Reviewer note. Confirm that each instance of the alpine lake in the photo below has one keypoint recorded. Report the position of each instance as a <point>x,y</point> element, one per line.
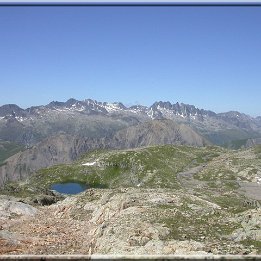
<point>69,187</point>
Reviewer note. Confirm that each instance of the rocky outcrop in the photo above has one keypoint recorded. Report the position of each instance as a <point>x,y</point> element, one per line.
<point>129,222</point>
<point>250,229</point>
<point>10,206</point>
<point>115,213</point>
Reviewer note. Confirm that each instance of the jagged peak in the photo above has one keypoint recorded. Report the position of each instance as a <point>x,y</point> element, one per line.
<point>90,101</point>
<point>120,105</point>
<point>71,101</point>
<point>55,104</point>
<point>138,107</point>
<point>180,109</point>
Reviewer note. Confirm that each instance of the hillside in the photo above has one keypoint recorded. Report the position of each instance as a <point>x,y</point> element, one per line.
<point>157,132</point>
<point>64,148</point>
<point>167,200</point>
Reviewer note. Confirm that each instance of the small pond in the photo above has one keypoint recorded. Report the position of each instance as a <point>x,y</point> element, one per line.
<point>69,187</point>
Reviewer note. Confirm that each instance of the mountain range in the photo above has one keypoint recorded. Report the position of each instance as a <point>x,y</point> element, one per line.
<point>60,132</point>
<point>90,118</point>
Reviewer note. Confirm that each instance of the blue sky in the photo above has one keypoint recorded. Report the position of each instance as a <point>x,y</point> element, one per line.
<point>206,56</point>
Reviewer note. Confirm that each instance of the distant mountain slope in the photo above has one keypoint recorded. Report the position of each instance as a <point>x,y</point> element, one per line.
<point>7,149</point>
<point>93,119</point>
<point>64,148</point>
<point>252,142</point>
<point>157,132</point>
<point>48,152</point>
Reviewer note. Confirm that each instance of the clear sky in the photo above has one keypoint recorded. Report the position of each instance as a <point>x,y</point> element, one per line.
<point>206,56</point>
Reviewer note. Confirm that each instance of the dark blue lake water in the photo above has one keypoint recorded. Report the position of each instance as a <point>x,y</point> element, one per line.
<point>69,188</point>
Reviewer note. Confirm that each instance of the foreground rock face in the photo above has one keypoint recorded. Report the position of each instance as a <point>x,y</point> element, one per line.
<point>9,206</point>
<point>12,213</point>
<point>128,221</point>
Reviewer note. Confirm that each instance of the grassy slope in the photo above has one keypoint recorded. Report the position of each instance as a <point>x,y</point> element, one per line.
<point>152,167</point>
<point>156,167</point>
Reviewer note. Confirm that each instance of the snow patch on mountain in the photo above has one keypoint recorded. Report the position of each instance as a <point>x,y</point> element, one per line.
<point>89,163</point>
<point>111,107</point>
<point>20,119</point>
